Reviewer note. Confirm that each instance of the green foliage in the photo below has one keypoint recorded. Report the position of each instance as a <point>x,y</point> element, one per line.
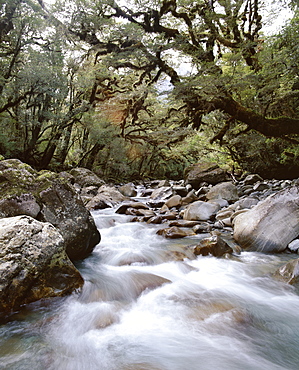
<point>145,91</point>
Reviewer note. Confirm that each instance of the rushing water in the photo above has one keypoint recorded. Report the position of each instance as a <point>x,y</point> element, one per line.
<point>144,308</point>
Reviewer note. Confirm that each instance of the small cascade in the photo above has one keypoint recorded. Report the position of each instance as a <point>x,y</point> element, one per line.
<point>149,304</point>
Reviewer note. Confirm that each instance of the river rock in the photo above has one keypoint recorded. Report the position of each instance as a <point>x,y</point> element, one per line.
<point>190,197</point>
<point>180,190</point>
<point>128,190</point>
<point>33,263</point>
<point>214,246</point>
<point>155,220</point>
<point>137,205</point>
<point>48,197</point>
<point>260,186</point>
<point>174,201</point>
<point>107,197</point>
<point>184,223</point>
<point>162,193</point>
<point>289,272</point>
<point>210,173</point>
<point>84,177</point>
<point>270,225</point>
<point>294,246</point>
<point>245,203</point>
<point>202,228</point>
<point>200,211</point>
<point>174,232</point>
<point>223,190</point>
<point>170,216</point>
<point>252,179</point>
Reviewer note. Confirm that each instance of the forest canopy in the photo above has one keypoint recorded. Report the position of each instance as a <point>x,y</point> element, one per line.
<point>144,88</point>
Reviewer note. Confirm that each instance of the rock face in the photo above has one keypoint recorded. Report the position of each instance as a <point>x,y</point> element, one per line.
<point>204,172</point>
<point>33,263</point>
<point>270,225</point>
<point>47,197</point>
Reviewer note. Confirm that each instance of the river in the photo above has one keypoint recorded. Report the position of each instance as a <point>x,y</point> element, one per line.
<point>143,307</point>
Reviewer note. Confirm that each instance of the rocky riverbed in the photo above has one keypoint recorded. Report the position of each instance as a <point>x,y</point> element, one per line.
<point>46,221</point>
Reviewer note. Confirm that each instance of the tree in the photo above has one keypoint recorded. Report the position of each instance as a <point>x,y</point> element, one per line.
<point>203,32</point>
<point>87,77</point>
<point>37,104</point>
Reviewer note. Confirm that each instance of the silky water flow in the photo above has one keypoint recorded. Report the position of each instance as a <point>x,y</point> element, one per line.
<point>148,304</point>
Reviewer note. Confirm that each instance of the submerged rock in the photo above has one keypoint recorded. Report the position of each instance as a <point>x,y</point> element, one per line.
<point>33,263</point>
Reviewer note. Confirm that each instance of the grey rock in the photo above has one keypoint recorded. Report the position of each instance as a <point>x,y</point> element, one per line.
<point>174,201</point>
<point>260,186</point>
<point>252,179</point>
<point>210,173</point>
<point>162,193</point>
<point>33,263</point>
<point>107,197</point>
<point>288,273</point>
<point>270,225</point>
<point>247,202</point>
<point>200,211</point>
<point>84,177</point>
<point>214,246</point>
<point>128,190</point>
<point>48,197</point>
<point>224,190</point>
<point>294,246</point>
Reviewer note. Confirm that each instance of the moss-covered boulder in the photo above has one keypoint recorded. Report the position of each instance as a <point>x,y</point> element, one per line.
<point>47,197</point>
<point>33,263</point>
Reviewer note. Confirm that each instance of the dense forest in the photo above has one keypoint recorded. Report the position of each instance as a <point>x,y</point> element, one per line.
<point>140,89</point>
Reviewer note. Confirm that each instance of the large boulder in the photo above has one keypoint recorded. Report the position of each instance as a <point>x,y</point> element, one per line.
<point>33,263</point>
<point>199,173</point>
<point>270,225</point>
<point>48,197</point>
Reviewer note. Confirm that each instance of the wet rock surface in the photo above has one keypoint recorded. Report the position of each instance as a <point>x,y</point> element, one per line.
<point>270,225</point>
<point>249,214</point>
<point>33,263</point>
<point>48,197</point>
<point>252,214</point>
